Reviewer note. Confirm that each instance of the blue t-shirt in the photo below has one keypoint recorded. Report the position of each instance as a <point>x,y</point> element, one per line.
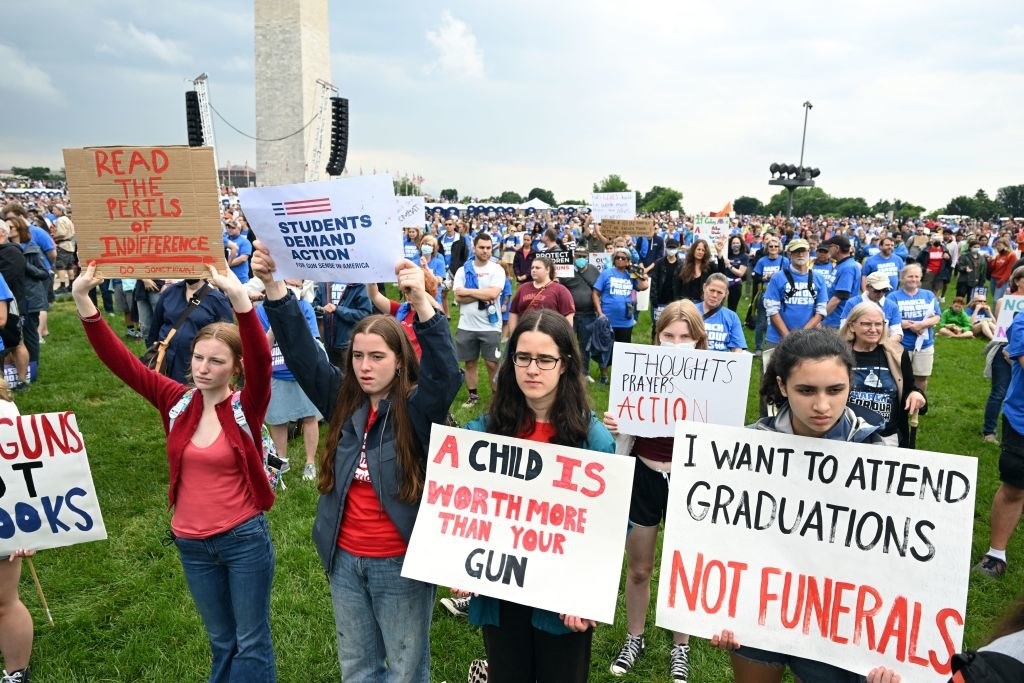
<point>725,331</point>
<point>799,307</point>
<point>44,241</point>
<point>278,369</point>
<point>616,291</point>
<point>845,280</point>
<point>767,267</point>
<point>244,249</point>
<point>890,311</point>
<point>914,308</point>
<point>1013,406</point>
<point>8,296</point>
<point>410,249</point>
<point>891,266</point>
<point>823,269</point>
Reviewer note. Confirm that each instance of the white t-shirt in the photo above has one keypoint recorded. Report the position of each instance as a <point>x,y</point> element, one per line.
<point>472,318</point>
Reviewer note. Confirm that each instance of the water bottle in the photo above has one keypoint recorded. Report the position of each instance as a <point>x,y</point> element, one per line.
<point>492,313</point>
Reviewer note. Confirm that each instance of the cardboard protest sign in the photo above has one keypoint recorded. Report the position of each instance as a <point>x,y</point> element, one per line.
<point>613,205</point>
<point>711,228</point>
<point>343,230</point>
<point>1011,306</point>
<point>653,387</point>
<point>47,498</point>
<point>146,212</point>
<point>840,552</point>
<point>529,522</point>
<point>612,228</point>
<point>410,212</point>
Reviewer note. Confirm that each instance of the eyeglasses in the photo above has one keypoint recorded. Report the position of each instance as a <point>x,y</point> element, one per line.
<point>620,258</point>
<point>868,325</point>
<point>523,360</point>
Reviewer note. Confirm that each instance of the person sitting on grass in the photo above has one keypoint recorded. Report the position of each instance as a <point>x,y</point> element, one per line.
<point>954,321</point>
<point>983,323</point>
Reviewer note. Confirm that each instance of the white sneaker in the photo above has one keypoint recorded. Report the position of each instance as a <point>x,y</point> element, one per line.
<point>309,472</point>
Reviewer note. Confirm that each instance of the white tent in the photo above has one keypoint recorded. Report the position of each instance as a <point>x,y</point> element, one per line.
<point>535,203</point>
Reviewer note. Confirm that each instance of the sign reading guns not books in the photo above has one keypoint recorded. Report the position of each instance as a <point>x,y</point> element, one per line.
<point>851,554</point>
<point>653,387</point>
<point>529,522</point>
<point>47,498</point>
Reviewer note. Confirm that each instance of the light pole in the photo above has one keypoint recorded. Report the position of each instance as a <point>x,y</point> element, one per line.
<point>792,177</point>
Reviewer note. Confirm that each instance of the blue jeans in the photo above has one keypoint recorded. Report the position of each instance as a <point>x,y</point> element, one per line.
<point>761,325</point>
<point>1001,372</point>
<point>583,326</point>
<point>383,620</point>
<point>229,576</point>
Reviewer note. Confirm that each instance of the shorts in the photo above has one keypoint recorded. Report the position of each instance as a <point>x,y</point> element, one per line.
<point>649,499</point>
<point>806,670</point>
<point>123,300</point>
<point>11,332</point>
<point>472,345</point>
<point>66,260</point>
<point>922,361</point>
<point>1011,456</point>
<point>288,403</point>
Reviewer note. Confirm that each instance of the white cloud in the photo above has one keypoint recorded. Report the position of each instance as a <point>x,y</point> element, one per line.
<point>27,79</point>
<point>132,40</point>
<point>458,55</point>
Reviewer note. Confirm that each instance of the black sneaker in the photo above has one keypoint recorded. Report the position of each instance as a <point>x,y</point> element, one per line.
<point>679,663</point>
<point>20,676</point>
<point>459,607</point>
<point>990,566</point>
<point>631,650</point>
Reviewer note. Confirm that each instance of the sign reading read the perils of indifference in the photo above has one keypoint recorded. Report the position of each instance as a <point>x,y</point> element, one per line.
<point>851,554</point>
<point>47,498</point>
<point>146,212</point>
<point>344,230</point>
<point>529,522</point>
<point>653,387</point>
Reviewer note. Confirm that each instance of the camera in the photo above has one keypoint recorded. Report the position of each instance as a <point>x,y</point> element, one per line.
<point>637,271</point>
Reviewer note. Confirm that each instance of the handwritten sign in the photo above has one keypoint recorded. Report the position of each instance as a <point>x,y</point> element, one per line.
<point>344,230</point>
<point>711,228</point>
<point>511,519</point>
<point>47,498</point>
<point>846,553</point>
<point>146,212</point>
<point>612,228</point>
<point>653,387</point>
<point>1011,306</point>
<point>410,212</point>
<point>620,205</point>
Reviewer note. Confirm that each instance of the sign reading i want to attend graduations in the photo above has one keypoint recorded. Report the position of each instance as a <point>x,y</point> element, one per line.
<point>1011,306</point>
<point>653,387</point>
<point>146,212</point>
<point>846,553</point>
<point>47,498</point>
<point>529,522</point>
<point>344,230</point>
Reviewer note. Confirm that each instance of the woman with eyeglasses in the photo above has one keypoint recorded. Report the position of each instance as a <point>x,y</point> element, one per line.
<point>615,297</point>
<point>541,396</point>
<point>883,378</point>
<point>769,263</point>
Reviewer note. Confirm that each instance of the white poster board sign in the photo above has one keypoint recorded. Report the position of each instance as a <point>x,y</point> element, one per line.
<point>711,228</point>
<point>1011,306</point>
<point>47,498</point>
<point>653,387</point>
<point>343,230</point>
<point>840,552</point>
<point>529,522</point>
<point>411,211</point>
<point>613,205</point>
<point>563,262</point>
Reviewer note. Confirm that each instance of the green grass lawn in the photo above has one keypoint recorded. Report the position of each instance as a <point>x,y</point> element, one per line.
<point>123,613</point>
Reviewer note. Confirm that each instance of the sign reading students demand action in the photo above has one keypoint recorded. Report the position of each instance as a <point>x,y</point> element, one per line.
<point>343,230</point>
<point>146,212</point>
<point>529,522</point>
<point>840,552</point>
<point>47,498</point>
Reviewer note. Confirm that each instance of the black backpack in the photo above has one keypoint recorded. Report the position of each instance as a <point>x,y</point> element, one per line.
<point>791,285</point>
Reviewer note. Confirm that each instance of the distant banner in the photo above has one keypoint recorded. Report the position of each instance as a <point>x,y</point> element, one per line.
<point>524,521</point>
<point>1011,306</point>
<point>653,387</point>
<point>612,228</point>
<point>47,498</point>
<point>840,552</point>
<point>410,212</point>
<point>344,230</point>
<point>621,205</point>
<point>711,228</point>
<point>146,212</point>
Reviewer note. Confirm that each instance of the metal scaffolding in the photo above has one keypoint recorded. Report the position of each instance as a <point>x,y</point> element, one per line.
<point>202,90</point>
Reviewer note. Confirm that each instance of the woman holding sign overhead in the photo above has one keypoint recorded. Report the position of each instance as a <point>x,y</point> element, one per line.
<point>679,326</point>
<point>808,379</point>
<point>540,396</point>
<point>371,472</point>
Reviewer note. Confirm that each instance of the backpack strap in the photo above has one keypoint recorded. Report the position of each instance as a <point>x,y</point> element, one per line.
<point>179,407</point>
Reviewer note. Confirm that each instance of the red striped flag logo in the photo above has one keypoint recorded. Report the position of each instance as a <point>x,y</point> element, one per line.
<point>301,207</point>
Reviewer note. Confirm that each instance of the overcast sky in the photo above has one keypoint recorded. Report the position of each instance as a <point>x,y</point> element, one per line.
<point>920,100</point>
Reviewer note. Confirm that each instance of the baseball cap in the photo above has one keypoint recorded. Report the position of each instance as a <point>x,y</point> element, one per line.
<point>797,245</point>
<point>879,281</point>
<point>839,241</point>
<point>671,243</point>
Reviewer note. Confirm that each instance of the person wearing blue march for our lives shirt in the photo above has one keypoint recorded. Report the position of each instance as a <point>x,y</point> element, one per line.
<point>795,298</point>
<point>723,326</point>
<point>886,261</point>
<point>919,313</point>
<point>845,280</point>
<point>875,290</point>
<point>766,266</point>
<point>614,297</point>
<point>239,253</point>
